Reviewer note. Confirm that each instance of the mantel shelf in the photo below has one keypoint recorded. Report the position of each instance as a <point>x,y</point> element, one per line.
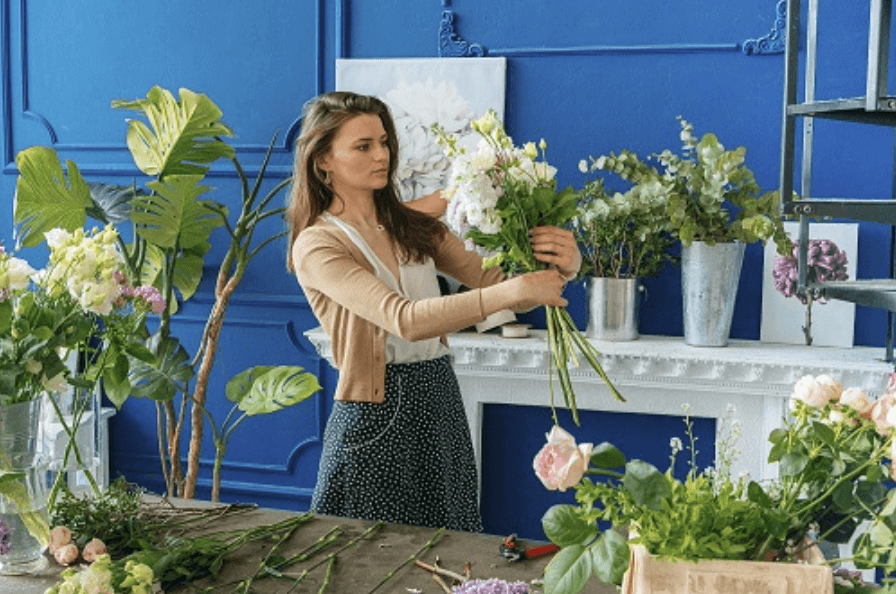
<point>657,375</point>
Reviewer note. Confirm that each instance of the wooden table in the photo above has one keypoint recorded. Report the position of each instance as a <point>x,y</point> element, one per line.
<point>358,570</point>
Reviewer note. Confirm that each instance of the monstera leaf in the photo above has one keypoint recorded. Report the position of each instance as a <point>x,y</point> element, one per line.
<point>267,389</point>
<point>112,204</point>
<point>185,134</point>
<point>159,379</point>
<point>45,197</point>
<point>174,216</point>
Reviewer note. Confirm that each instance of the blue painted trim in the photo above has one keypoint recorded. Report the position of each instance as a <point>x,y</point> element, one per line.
<point>451,45</point>
<point>6,82</point>
<point>677,48</point>
<point>342,48</point>
<point>773,42</point>
<point>26,104</point>
<point>116,170</point>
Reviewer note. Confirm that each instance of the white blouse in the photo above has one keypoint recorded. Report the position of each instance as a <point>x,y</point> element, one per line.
<point>418,281</point>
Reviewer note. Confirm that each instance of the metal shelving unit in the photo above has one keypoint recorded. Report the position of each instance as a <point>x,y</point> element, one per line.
<point>875,108</point>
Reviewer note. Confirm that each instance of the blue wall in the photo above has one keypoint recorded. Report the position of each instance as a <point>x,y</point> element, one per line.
<point>589,77</point>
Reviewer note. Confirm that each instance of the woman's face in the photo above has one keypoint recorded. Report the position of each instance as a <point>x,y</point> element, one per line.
<point>358,159</point>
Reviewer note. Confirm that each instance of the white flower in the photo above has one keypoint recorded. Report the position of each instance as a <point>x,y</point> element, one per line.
<point>583,166</point>
<point>816,391</point>
<point>856,399</point>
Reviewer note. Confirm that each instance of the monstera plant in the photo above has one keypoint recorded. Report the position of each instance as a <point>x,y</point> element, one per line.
<point>171,224</point>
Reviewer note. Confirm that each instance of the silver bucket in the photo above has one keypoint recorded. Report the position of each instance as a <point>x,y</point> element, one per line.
<point>20,433</point>
<point>709,279</point>
<point>613,305</point>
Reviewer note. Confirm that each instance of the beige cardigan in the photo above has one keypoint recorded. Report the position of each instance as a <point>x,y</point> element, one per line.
<point>356,309</point>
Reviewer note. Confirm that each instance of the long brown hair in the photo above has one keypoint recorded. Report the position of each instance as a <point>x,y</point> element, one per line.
<point>416,233</point>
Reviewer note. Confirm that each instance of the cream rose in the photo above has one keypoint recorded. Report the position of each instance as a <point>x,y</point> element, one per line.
<point>561,463</point>
<point>880,412</point>
<point>816,391</point>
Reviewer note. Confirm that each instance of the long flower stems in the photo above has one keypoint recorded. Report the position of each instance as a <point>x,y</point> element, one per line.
<point>412,559</point>
<point>326,582</point>
<point>246,584</point>
<point>564,339</point>
<point>369,532</point>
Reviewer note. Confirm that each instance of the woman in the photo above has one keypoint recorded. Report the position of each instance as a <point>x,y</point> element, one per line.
<point>397,445</point>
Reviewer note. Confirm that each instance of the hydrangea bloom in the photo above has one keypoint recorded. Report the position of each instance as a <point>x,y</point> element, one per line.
<point>824,262</point>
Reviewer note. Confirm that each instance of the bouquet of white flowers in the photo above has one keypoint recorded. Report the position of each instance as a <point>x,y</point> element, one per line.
<point>495,196</point>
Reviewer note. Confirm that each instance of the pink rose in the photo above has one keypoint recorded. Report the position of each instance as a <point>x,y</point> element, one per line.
<point>66,555</point>
<point>561,464</point>
<point>93,549</point>
<point>856,399</point>
<point>59,537</point>
<point>880,410</point>
<point>816,391</point>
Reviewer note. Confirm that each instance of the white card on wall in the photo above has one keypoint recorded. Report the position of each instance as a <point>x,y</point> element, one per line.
<point>420,92</point>
<point>783,318</point>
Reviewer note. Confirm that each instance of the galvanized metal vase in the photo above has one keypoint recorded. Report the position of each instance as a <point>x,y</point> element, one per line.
<point>23,492</point>
<point>613,306</point>
<point>709,279</point>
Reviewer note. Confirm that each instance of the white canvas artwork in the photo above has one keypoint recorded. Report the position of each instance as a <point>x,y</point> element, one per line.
<point>420,92</point>
<point>783,318</point>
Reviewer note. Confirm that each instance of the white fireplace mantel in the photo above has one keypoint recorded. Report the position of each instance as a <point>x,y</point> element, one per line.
<point>658,375</point>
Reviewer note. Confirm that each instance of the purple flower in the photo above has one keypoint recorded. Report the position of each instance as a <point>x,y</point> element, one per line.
<point>492,586</point>
<point>824,262</point>
<point>5,537</point>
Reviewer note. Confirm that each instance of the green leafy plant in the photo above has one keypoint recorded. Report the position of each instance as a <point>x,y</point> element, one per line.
<point>171,224</point>
<point>712,196</point>
<point>835,458</point>
<point>623,235</point>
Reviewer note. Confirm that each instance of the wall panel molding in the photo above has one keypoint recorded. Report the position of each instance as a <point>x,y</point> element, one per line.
<point>9,112</point>
<point>452,45</point>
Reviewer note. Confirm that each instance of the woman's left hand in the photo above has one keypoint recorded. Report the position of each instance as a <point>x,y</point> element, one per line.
<point>556,246</point>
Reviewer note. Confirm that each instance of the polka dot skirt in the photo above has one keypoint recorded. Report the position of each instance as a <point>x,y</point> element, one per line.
<point>408,460</point>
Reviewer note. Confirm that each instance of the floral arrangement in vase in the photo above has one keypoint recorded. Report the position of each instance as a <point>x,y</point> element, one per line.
<point>711,195</point>
<point>824,262</point>
<point>835,456</point>
<point>623,235</point>
<point>495,196</point>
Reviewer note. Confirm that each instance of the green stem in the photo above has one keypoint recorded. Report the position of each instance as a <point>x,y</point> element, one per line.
<point>327,575</point>
<point>429,544</point>
<point>349,544</point>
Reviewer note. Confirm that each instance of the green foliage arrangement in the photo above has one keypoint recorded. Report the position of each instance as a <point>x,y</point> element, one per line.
<point>835,458</point>
<point>711,195</point>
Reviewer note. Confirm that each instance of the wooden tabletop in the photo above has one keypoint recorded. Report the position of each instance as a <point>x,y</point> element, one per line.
<point>357,570</point>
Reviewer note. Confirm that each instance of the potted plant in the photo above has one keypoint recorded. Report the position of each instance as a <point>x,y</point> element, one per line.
<point>624,237</point>
<point>82,303</point>
<point>171,225</point>
<point>715,209</point>
<point>835,458</point>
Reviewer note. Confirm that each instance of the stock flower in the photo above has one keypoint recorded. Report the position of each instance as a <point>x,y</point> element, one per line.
<point>561,464</point>
<point>492,586</point>
<point>816,391</point>
<point>824,262</point>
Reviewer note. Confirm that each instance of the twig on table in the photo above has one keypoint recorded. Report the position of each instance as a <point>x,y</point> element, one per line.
<point>441,583</point>
<point>468,570</point>
<point>443,572</point>
<point>412,559</point>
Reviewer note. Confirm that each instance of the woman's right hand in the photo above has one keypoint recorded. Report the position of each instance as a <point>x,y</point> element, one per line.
<point>534,289</point>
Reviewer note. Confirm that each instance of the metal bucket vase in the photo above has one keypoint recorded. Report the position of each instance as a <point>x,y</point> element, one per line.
<point>613,307</point>
<point>23,490</point>
<point>709,279</point>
